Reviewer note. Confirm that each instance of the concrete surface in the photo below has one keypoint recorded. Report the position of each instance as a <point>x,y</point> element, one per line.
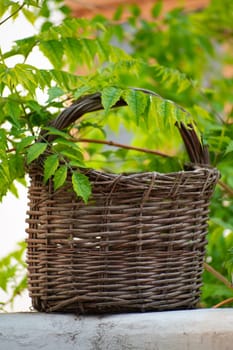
<point>203,329</point>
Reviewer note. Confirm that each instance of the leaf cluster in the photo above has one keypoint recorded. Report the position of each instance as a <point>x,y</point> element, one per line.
<point>12,277</point>
<point>69,46</point>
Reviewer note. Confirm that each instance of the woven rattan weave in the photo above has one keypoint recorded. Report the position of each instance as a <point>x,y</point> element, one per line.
<point>138,245</point>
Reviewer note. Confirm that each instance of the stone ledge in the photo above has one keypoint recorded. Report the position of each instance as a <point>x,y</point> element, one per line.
<point>202,329</point>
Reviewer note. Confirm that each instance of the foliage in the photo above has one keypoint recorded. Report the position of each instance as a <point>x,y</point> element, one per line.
<point>13,280</point>
<point>72,44</point>
<point>178,54</point>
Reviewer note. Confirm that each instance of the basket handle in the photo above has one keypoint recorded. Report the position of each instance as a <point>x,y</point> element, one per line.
<point>198,153</point>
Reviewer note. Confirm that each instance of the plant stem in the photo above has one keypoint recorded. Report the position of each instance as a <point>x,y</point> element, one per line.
<point>226,187</point>
<point>12,14</point>
<point>218,275</point>
<point>224,302</point>
<point>115,144</point>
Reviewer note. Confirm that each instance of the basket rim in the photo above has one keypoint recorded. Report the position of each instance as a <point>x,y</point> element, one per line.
<point>188,169</point>
<point>197,151</point>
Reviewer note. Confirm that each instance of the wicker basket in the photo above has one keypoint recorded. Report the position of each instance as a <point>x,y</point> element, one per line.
<point>138,245</point>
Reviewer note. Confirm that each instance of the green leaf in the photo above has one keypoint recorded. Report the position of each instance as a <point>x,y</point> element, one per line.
<point>65,10</point>
<point>26,75</point>
<point>3,142</point>
<point>89,50</point>
<point>14,10</point>
<point>183,85</point>
<point>77,163</point>
<point>20,287</point>
<point>147,111</point>
<point>109,97</point>
<point>65,80</point>
<point>170,77</point>
<point>12,108</point>
<point>54,131</point>
<point>82,186</point>
<point>5,179</point>
<point>72,154</point>
<point>222,223</point>
<point>92,126</point>
<point>157,8</point>
<point>73,51</point>
<point>44,78</point>
<point>22,47</point>
<point>35,151</point>
<point>25,142</point>
<point>31,16</point>
<point>229,147</point>
<point>50,166</point>
<point>81,91</point>
<point>69,145</point>
<point>4,280</point>
<point>60,177</point>
<point>45,12</point>
<point>54,92</point>
<point>16,166</point>
<point>135,10</point>
<point>14,190</point>
<point>118,13</point>
<point>137,102</point>
<point>35,3</point>
<point>53,50</point>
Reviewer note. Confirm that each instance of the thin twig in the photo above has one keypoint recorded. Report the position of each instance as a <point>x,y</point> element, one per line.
<point>10,150</point>
<point>224,302</point>
<point>115,144</point>
<point>12,14</point>
<point>226,187</point>
<point>218,275</point>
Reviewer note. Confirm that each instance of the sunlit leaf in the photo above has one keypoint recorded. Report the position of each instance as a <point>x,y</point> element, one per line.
<point>60,177</point>
<point>109,97</point>
<point>137,102</point>
<point>53,50</point>
<point>35,151</point>
<point>81,186</point>
<point>50,166</point>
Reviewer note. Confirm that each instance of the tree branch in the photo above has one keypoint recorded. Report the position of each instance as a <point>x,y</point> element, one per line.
<point>115,144</point>
<point>12,14</point>
<point>218,275</point>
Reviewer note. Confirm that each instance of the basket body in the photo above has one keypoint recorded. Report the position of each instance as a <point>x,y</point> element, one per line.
<point>138,245</point>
